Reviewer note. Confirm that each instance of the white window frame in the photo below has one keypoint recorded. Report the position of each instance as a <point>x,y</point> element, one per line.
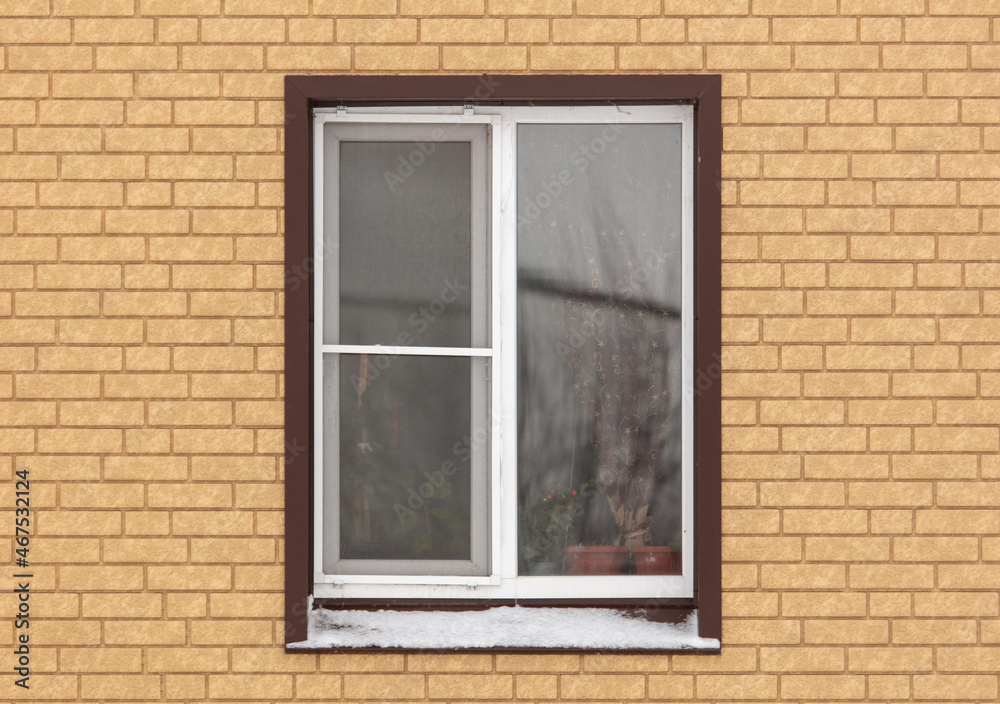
<point>502,582</point>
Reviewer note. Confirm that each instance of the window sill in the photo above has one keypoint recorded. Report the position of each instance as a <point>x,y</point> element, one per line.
<point>498,628</point>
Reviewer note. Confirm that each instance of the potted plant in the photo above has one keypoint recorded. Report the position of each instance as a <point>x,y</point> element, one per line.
<point>546,523</point>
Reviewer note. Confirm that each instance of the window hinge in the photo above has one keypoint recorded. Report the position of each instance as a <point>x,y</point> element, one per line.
<point>338,584</point>
<point>341,111</point>
<point>468,109</point>
<point>486,371</point>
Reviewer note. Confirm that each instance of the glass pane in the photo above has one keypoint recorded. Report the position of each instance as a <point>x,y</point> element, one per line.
<point>405,245</point>
<point>599,358</point>
<point>398,439</point>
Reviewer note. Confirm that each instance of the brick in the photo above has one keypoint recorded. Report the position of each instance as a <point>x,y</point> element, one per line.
<point>188,659</point>
<point>841,687</point>
<point>184,85</point>
<point>145,468</point>
<point>536,31</point>
<point>374,662</point>
<point>441,7</point>
<point>69,304</point>
<point>917,111</point>
<point>979,659</point>
<point>794,7</point>
<point>940,56</point>
<point>213,112</point>
<point>916,192</point>
<point>57,385</point>
<point>826,31</point>
<point>100,659</point>
<point>493,686</point>
<point>850,138</point>
<point>737,686</point>
<point>487,30</point>
<point>824,605</point>
<point>792,85</point>
<point>138,441</point>
<point>182,578</point>
<point>190,413</point>
<point>209,276</point>
<point>955,604</point>
<point>849,302</point>
<point>935,29</point>
<point>846,631</point>
<point>735,30</point>
<point>651,57</point>
<point>145,550</point>
<point>113,31</point>
<point>836,57</point>
<point>810,576</point>
<point>54,58</point>
<point>147,58</point>
<point>189,496</point>
<point>740,631</point>
<point>750,521</point>
<point>659,30</point>
<point>892,247</point>
<point>577,58</point>
<point>937,631</point>
<point>136,632</point>
<point>805,165</point>
<point>748,57</point>
<point>145,386</point>
<point>957,521</point>
<point>623,686</point>
<point>233,386</point>
<point>845,467</point>
<point>890,494</point>
<point>383,686</point>
<point>101,413</point>
<point>100,331</point>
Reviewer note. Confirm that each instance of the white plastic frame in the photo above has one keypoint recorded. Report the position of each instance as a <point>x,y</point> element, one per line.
<point>503,581</point>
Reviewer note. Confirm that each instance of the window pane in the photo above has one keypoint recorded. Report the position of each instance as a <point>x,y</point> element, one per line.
<point>599,336</point>
<point>404,245</point>
<point>396,442</point>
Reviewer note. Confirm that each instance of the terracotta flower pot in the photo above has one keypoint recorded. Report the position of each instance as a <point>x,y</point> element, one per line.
<point>595,559</point>
<point>654,559</point>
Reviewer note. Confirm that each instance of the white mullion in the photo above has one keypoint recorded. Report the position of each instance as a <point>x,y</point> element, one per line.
<point>687,351</point>
<point>495,405</point>
<point>403,351</point>
<point>440,118</point>
<point>319,381</point>
<point>507,381</point>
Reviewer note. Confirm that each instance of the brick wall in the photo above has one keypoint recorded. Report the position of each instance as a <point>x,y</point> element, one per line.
<point>140,318</point>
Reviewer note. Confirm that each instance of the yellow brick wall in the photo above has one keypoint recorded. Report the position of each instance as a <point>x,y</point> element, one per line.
<point>141,330</point>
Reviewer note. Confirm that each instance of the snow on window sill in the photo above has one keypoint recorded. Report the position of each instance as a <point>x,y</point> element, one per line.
<point>499,627</point>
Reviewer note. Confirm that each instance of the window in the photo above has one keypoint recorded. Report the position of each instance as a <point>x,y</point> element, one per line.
<point>502,336</point>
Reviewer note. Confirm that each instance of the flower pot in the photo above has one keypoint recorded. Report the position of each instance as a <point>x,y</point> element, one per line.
<point>654,559</point>
<point>595,559</point>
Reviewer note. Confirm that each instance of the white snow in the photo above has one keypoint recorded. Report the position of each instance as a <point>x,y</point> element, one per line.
<point>499,627</point>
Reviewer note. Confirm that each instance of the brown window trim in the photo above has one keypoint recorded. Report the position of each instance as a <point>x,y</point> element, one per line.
<point>302,94</point>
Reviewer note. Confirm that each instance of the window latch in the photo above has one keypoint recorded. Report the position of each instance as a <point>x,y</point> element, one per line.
<point>468,109</point>
<point>341,111</point>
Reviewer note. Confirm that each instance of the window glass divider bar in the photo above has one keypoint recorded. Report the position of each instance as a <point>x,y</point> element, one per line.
<point>401,350</point>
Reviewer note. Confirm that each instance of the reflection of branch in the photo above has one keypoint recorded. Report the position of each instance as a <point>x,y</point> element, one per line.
<point>537,284</point>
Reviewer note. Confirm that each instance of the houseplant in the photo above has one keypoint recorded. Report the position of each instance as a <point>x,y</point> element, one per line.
<point>546,523</point>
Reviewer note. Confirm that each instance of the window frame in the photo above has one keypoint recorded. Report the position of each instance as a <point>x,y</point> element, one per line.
<point>303,94</point>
